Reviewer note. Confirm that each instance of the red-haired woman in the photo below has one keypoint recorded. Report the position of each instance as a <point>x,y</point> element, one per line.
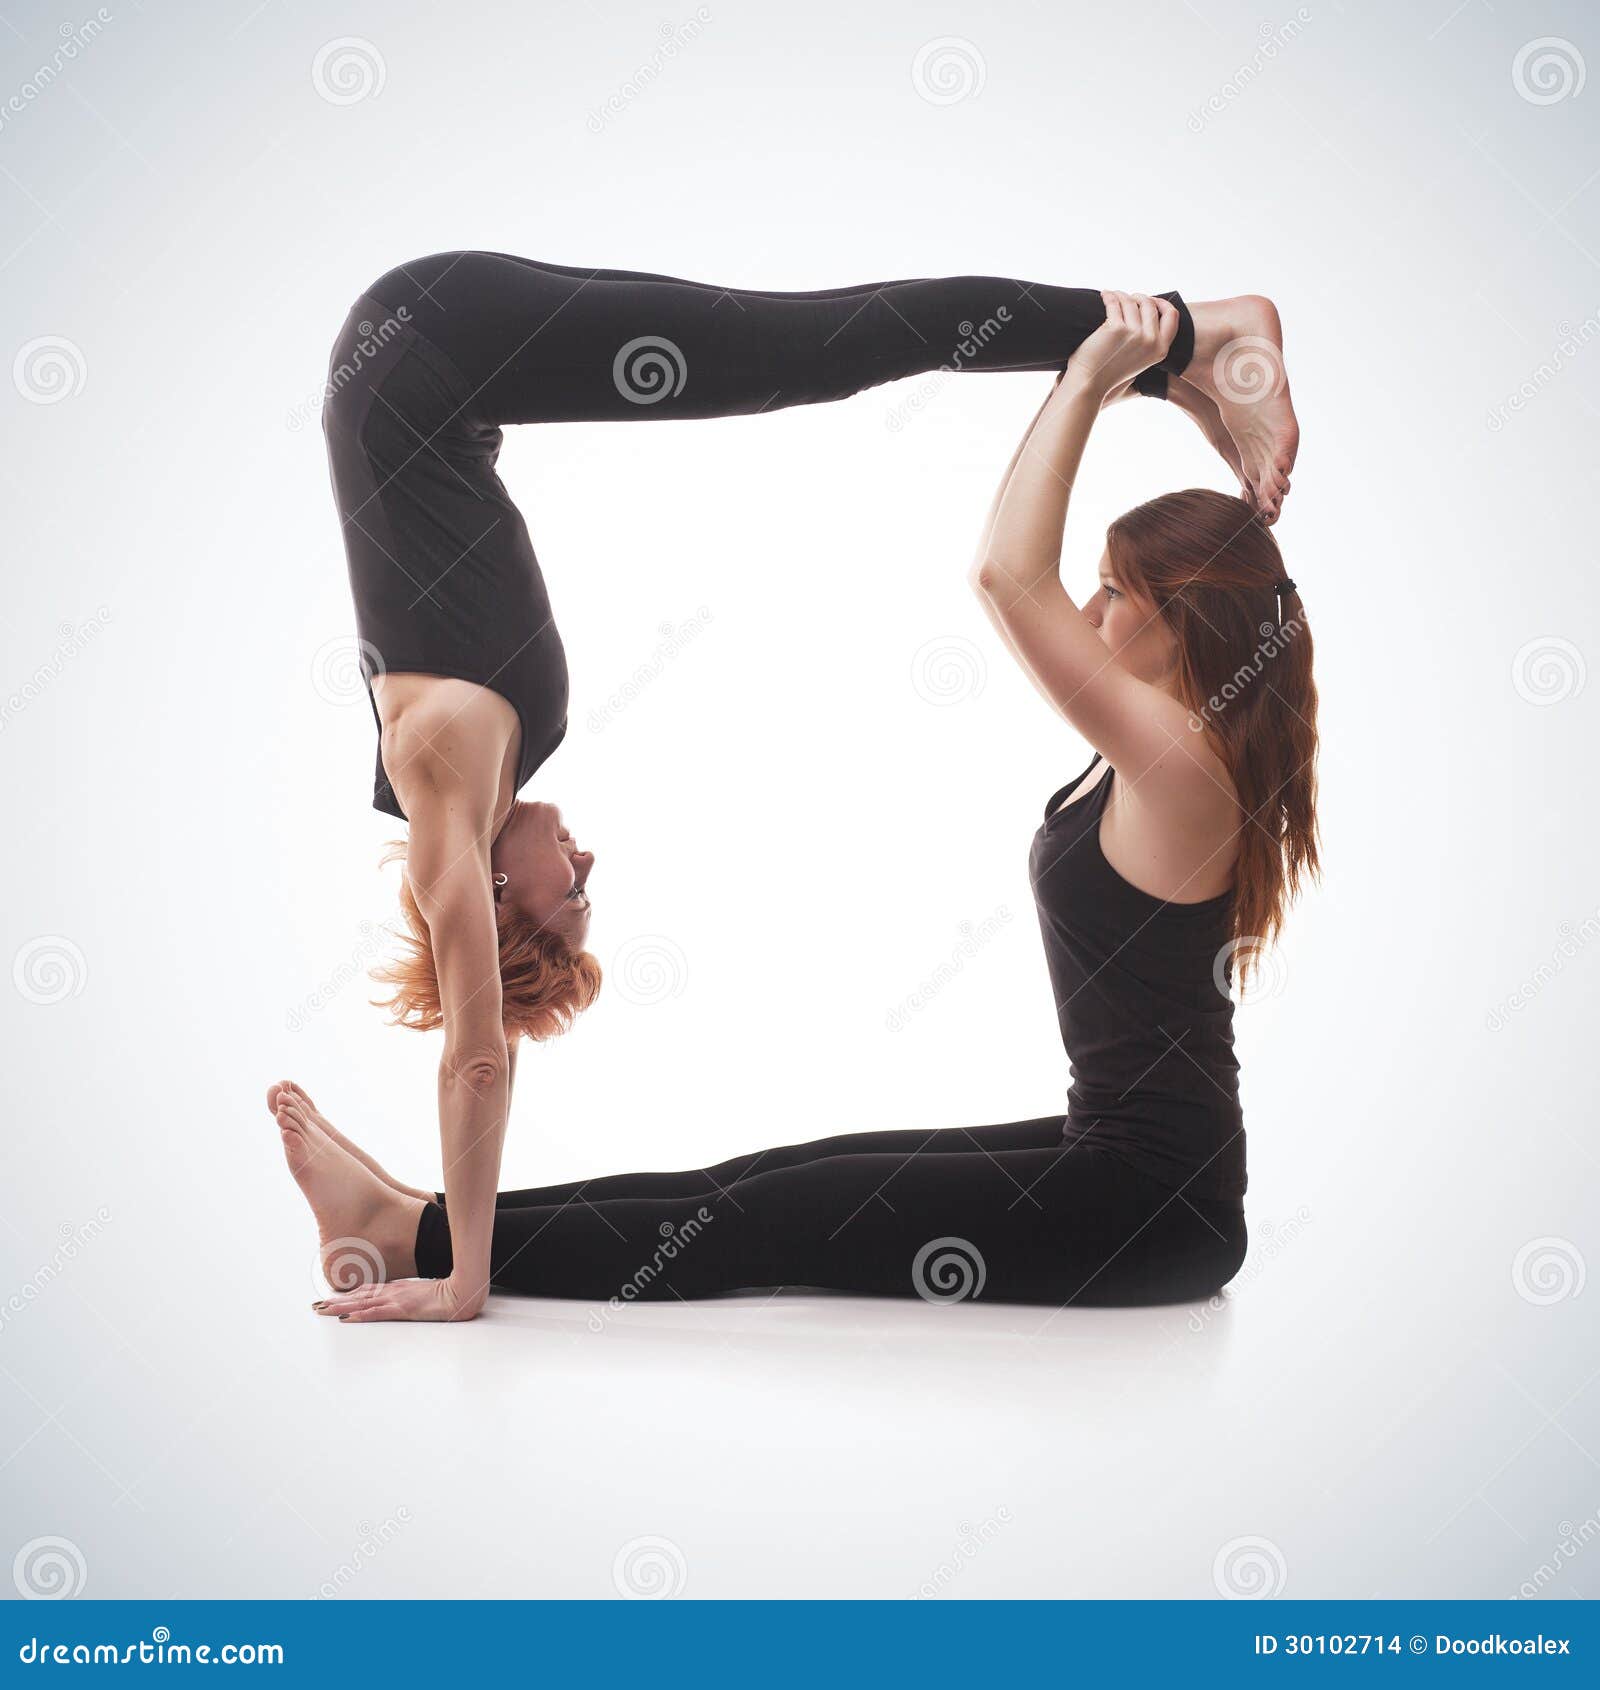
<point>1149,893</point>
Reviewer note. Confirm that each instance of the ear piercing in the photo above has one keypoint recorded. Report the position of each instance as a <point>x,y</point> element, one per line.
<point>500,880</point>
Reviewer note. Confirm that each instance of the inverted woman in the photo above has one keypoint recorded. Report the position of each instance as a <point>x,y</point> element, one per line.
<point>1135,1193</point>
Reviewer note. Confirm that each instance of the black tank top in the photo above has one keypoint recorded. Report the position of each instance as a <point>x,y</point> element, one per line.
<point>1148,1030</point>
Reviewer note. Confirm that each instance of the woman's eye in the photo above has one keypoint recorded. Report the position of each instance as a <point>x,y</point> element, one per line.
<point>1111,592</point>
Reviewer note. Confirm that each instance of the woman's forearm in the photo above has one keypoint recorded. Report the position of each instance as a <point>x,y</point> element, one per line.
<point>1021,548</point>
<point>474,1094</point>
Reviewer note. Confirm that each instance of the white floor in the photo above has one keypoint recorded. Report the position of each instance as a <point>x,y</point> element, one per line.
<point>1328,1429</point>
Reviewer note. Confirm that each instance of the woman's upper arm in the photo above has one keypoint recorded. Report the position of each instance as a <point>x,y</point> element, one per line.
<point>1136,727</point>
<point>447,863</point>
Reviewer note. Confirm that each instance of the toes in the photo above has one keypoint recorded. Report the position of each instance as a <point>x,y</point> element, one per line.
<point>301,1094</point>
<point>294,1151</point>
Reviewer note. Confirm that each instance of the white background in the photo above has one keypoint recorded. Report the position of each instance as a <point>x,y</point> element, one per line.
<point>797,814</point>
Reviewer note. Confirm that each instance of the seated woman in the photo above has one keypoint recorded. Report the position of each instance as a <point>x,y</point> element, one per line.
<point>1149,893</point>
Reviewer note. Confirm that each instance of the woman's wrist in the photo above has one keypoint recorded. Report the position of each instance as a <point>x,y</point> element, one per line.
<point>470,1290</point>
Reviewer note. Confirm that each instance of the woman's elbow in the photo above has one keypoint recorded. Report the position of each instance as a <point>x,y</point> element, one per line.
<point>476,1068</point>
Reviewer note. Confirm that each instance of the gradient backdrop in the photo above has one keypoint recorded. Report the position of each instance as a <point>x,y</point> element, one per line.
<point>810,777</point>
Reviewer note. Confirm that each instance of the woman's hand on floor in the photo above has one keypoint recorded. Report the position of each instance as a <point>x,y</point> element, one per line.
<point>405,1299</point>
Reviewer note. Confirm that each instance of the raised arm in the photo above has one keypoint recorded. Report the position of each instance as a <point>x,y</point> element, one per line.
<point>1016,571</point>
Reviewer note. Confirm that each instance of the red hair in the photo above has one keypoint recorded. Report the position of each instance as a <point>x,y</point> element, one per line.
<point>1213,571</point>
<point>544,983</point>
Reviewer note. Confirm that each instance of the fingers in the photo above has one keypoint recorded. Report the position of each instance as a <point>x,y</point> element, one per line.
<point>1167,321</point>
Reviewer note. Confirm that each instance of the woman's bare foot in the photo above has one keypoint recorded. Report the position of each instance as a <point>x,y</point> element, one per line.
<point>1238,365</point>
<point>297,1094</point>
<point>1209,418</point>
<point>368,1230</point>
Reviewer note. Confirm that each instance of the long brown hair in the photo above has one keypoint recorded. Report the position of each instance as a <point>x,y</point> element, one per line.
<point>1214,572</point>
<point>544,983</point>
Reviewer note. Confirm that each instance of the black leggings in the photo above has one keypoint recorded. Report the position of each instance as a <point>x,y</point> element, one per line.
<point>542,342</point>
<point>1000,1214</point>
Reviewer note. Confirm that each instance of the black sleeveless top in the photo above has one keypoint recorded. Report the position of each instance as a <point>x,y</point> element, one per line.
<point>442,570</point>
<point>1148,1031</point>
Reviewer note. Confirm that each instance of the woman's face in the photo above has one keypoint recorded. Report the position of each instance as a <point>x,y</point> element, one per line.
<point>545,871</point>
<point>1135,632</point>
